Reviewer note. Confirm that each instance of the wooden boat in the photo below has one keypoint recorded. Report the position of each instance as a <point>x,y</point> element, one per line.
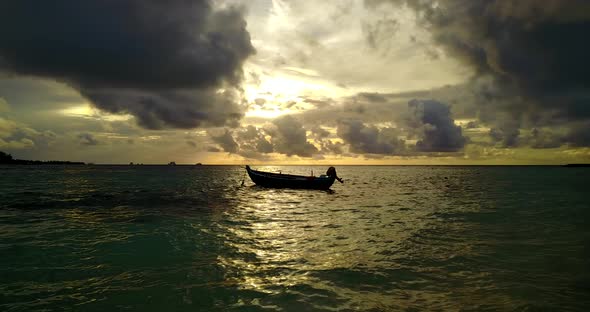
<point>279,180</point>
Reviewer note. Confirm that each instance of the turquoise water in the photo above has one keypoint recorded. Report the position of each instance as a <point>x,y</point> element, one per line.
<point>149,238</point>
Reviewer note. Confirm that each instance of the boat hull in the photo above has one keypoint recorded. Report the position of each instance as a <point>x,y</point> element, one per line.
<point>277,180</point>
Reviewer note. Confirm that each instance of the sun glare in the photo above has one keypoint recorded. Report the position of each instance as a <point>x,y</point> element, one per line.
<point>278,95</point>
<point>267,114</point>
<point>83,110</point>
<point>87,111</point>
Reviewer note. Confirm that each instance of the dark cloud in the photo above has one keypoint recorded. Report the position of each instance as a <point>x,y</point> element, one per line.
<point>506,134</point>
<point>532,56</point>
<point>472,125</point>
<point>249,133</point>
<point>226,141</point>
<point>213,149</point>
<point>264,146</point>
<point>319,132</point>
<point>436,128</point>
<point>170,108</point>
<point>289,137</point>
<point>191,143</point>
<point>319,102</point>
<point>545,139</point>
<point>252,140</point>
<point>370,139</point>
<point>162,61</point>
<point>535,44</point>
<point>87,139</point>
<point>430,122</point>
<point>249,142</point>
<point>329,147</point>
<point>579,135</point>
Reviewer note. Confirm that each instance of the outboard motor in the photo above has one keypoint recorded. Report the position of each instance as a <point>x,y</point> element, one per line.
<point>332,173</point>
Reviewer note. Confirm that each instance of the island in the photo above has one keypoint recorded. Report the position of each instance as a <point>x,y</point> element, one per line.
<point>7,159</point>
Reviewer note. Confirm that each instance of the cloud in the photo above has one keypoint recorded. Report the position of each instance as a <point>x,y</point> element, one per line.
<point>436,128</point>
<point>7,127</point>
<point>15,135</point>
<point>87,139</point>
<point>263,146</point>
<point>253,142</point>
<point>226,141</point>
<point>318,103</point>
<point>289,137</point>
<point>579,135</point>
<point>4,107</point>
<point>329,147</point>
<point>178,108</point>
<point>370,139</point>
<point>506,134</point>
<point>530,43</point>
<point>530,58</point>
<point>16,145</point>
<point>368,107</point>
<point>379,33</point>
<point>319,132</point>
<point>284,136</point>
<point>163,62</point>
<point>541,138</point>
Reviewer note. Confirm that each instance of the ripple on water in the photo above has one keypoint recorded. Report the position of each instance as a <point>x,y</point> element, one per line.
<point>391,238</point>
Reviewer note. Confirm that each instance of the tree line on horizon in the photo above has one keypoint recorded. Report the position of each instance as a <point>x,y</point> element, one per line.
<point>6,158</point>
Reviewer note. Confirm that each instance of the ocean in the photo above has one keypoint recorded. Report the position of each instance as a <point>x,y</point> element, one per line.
<point>391,238</point>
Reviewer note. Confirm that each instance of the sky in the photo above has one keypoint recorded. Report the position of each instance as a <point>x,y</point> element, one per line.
<point>296,82</point>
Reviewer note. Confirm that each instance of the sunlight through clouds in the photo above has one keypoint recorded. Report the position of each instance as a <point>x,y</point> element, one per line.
<point>87,111</point>
<point>342,75</point>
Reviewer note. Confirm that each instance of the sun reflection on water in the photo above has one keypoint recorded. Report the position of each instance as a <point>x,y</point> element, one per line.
<point>393,238</point>
<point>315,245</point>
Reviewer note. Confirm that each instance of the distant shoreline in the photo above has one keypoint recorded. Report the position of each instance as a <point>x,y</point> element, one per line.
<point>20,162</point>
<point>39,162</point>
<point>6,159</point>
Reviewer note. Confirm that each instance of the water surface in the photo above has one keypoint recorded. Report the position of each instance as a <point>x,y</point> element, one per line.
<point>184,238</point>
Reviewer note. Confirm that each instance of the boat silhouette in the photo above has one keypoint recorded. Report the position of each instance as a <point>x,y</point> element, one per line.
<point>279,180</point>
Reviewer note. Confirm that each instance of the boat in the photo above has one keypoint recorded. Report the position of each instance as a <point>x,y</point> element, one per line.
<point>279,180</point>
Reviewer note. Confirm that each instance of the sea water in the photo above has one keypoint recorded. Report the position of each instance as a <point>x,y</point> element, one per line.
<point>391,238</point>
